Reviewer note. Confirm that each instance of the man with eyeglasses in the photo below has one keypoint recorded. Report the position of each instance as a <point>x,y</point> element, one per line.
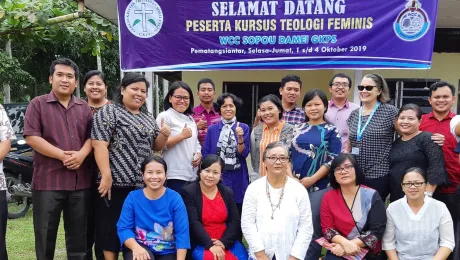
<point>204,114</point>
<point>340,108</point>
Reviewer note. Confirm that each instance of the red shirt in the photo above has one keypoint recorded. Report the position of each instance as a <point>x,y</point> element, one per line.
<point>433,125</point>
<point>67,129</point>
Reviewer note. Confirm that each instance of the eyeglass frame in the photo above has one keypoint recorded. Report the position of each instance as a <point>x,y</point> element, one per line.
<point>368,87</point>
<point>179,98</point>
<point>342,84</point>
<point>277,158</point>
<point>404,184</point>
<point>347,168</point>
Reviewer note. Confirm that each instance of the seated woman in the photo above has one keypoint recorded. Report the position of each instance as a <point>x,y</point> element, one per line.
<point>418,227</point>
<point>213,215</point>
<point>352,215</point>
<point>276,218</point>
<point>153,223</point>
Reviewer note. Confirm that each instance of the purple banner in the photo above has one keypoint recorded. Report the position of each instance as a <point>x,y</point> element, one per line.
<point>172,35</point>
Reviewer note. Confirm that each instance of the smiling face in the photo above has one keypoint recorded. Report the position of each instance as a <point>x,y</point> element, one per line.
<point>134,95</point>
<point>407,122</point>
<point>95,88</point>
<point>345,173</point>
<point>441,100</point>
<point>154,175</point>
<point>210,176</point>
<point>414,179</point>
<point>369,96</point>
<point>290,93</point>
<point>63,81</point>
<point>228,109</point>
<point>315,109</point>
<point>340,88</point>
<point>270,113</point>
<point>206,93</point>
<point>180,100</point>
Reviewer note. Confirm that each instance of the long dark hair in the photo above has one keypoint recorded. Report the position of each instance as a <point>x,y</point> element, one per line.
<point>337,162</point>
<point>128,79</point>
<point>172,88</point>
<point>209,160</point>
<point>154,158</point>
<point>311,95</point>
<point>275,100</point>
<point>91,74</point>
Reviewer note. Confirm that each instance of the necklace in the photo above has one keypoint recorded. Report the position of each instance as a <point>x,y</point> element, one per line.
<point>274,207</point>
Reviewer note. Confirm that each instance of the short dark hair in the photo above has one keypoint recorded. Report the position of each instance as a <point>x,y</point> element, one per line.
<point>66,62</point>
<point>417,170</point>
<point>275,100</point>
<point>221,100</point>
<point>206,80</point>
<point>91,74</point>
<point>311,94</point>
<point>418,111</point>
<point>340,75</point>
<point>172,88</point>
<point>441,84</point>
<point>289,78</point>
<point>154,158</point>
<point>128,79</point>
<point>341,158</point>
<point>209,160</point>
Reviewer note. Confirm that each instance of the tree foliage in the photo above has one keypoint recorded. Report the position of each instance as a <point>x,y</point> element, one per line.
<point>36,43</point>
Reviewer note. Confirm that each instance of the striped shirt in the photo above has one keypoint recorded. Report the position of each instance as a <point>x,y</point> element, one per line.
<point>267,138</point>
<point>131,138</point>
<point>211,117</point>
<point>65,128</point>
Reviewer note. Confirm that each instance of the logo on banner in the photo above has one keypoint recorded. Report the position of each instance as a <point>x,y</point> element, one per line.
<point>144,18</point>
<point>412,23</point>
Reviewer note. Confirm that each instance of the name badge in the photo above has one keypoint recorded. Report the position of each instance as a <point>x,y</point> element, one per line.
<point>355,150</point>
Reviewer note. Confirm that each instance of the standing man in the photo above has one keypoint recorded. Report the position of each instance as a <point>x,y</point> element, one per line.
<point>441,98</point>
<point>290,93</point>
<point>204,114</point>
<point>57,126</point>
<point>6,135</point>
<point>340,108</point>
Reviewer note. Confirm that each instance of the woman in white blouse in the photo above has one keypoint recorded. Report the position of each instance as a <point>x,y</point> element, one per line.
<point>418,227</point>
<point>276,217</point>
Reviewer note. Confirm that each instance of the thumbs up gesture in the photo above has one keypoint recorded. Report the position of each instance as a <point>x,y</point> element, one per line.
<point>186,132</point>
<point>202,124</point>
<point>164,128</point>
<point>239,131</point>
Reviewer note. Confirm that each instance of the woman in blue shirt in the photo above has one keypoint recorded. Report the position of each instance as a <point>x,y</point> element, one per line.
<point>315,144</point>
<point>153,223</point>
<point>230,140</point>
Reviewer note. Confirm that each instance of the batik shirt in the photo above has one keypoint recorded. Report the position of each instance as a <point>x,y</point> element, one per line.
<point>6,133</point>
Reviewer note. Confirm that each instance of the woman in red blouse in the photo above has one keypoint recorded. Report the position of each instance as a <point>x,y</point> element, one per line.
<point>213,216</point>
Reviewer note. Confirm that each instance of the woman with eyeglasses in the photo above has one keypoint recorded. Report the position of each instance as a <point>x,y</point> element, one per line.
<point>418,227</point>
<point>352,215</point>
<point>372,131</point>
<point>414,148</point>
<point>276,218</point>
<point>271,129</point>
<point>315,144</point>
<point>182,152</point>
<point>215,226</point>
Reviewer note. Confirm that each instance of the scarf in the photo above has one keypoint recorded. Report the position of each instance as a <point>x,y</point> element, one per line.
<point>227,148</point>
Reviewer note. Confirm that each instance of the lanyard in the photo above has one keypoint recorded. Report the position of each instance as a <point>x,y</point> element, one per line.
<point>360,132</point>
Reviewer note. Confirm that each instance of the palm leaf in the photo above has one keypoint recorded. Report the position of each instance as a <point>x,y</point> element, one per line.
<point>136,22</point>
<point>152,21</point>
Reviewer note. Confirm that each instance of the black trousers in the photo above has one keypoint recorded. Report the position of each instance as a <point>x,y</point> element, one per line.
<point>48,206</point>
<point>453,205</point>
<point>3,219</point>
<point>98,253</point>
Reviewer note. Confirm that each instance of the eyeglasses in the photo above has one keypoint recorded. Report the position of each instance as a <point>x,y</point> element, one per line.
<point>340,84</point>
<point>345,168</point>
<point>416,184</point>
<point>368,88</point>
<point>273,159</point>
<point>181,97</point>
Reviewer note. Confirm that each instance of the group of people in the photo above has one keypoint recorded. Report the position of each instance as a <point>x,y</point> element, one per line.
<point>320,173</point>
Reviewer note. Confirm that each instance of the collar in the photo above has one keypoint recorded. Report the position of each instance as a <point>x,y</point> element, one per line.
<point>278,127</point>
<point>200,109</point>
<point>294,109</point>
<point>449,116</point>
<point>51,97</point>
<point>331,103</point>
